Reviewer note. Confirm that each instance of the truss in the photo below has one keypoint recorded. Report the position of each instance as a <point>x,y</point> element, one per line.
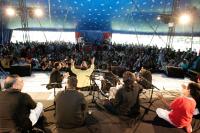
<point>24,19</point>
<point>171,30</point>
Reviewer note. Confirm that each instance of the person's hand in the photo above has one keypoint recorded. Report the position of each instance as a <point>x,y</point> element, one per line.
<point>159,95</point>
<point>92,60</point>
<point>72,62</point>
<point>183,86</point>
<point>138,78</point>
<point>66,75</point>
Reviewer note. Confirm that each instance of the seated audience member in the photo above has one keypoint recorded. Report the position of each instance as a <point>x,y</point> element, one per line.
<point>71,106</point>
<point>126,101</point>
<point>18,112</point>
<point>145,78</point>
<point>184,65</point>
<point>83,74</point>
<point>182,108</point>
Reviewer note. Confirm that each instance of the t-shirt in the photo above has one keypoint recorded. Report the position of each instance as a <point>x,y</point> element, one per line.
<point>182,110</point>
<point>15,108</point>
<point>71,109</point>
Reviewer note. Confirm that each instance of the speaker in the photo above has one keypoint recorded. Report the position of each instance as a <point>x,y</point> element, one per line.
<point>21,70</point>
<point>175,72</point>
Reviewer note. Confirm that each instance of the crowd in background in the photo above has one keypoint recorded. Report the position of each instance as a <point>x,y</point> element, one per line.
<point>42,55</point>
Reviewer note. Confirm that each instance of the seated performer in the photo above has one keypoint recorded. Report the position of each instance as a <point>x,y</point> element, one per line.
<point>145,78</point>
<point>55,77</point>
<point>71,106</point>
<point>126,101</point>
<point>83,74</point>
<point>111,83</point>
<point>18,112</point>
<point>182,108</point>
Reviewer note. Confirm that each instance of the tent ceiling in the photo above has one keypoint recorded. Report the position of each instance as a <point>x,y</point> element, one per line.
<point>105,15</point>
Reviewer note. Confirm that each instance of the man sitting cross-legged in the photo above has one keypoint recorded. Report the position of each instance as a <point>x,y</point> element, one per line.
<point>18,111</point>
<point>71,106</point>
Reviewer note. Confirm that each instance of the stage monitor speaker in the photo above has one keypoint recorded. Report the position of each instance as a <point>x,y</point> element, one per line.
<point>175,72</point>
<point>21,70</point>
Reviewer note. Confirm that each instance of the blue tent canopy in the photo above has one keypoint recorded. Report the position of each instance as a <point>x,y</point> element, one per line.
<point>129,16</point>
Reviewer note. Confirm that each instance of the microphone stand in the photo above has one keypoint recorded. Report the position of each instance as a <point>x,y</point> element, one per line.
<point>49,108</point>
<point>151,95</point>
<point>152,87</point>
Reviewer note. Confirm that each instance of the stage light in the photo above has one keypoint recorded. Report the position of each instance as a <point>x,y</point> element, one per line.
<point>38,12</point>
<point>158,18</point>
<point>184,19</point>
<point>10,12</point>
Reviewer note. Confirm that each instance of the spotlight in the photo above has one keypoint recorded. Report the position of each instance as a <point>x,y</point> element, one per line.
<point>158,18</point>
<point>10,12</point>
<point>38,12</point>
<point>184,19</point>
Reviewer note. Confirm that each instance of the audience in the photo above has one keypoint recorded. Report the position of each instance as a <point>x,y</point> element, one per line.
<point>18,112</point>
<point>71,106</point>
<point>131,57</point>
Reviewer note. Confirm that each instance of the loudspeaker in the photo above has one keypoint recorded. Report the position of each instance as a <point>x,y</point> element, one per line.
<point>21,70</point>
<point>175,72</point>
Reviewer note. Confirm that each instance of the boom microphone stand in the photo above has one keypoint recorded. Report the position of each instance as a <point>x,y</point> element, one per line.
<point>151,95</point>
<point>152,87</point>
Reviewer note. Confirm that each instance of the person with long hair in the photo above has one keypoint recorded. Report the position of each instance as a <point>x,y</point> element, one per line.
<point>182,108</point>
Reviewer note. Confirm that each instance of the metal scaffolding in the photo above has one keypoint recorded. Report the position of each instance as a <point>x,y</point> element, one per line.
<point>171,30</point>
<point>24,13</point>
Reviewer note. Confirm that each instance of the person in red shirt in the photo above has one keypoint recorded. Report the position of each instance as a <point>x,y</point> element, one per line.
<point>181,109</point>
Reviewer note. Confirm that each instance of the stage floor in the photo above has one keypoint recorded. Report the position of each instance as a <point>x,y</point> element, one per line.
<point>35,85</point>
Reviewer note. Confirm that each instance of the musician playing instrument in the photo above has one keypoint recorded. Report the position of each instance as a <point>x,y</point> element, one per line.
<point>145,78</point>
<point>126,101</point>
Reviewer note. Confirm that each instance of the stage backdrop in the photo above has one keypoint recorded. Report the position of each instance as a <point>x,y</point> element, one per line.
<point>93,37</point>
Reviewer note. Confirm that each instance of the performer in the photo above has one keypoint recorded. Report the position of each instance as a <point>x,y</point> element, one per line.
<point>83,74</point>
<point>126,101</point>
<point>145,78</point>
<point>55,77</point>
<point>111,83</point>
<point>182,108</point>
<point>18,112</point>
<point>71,106</point>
